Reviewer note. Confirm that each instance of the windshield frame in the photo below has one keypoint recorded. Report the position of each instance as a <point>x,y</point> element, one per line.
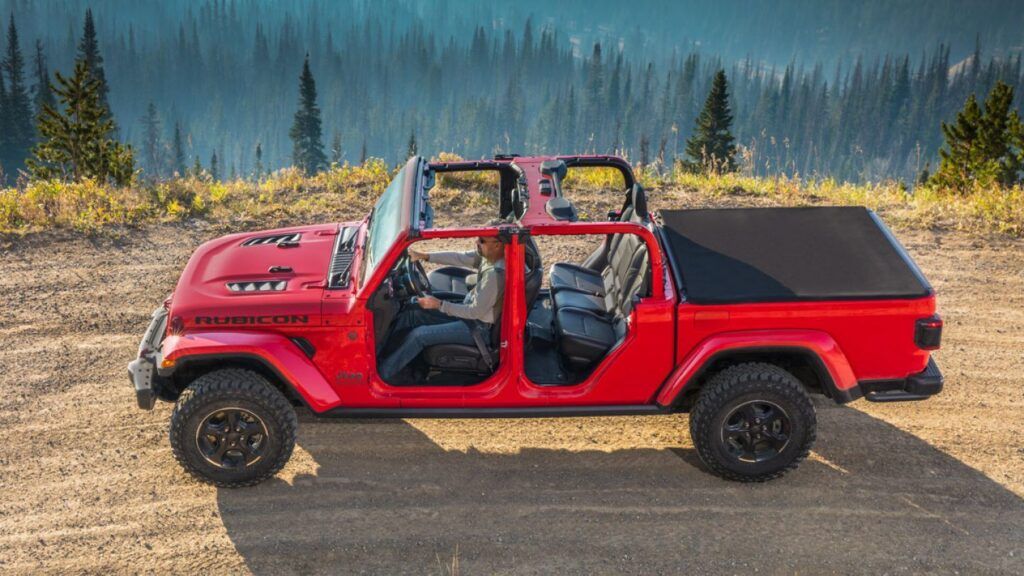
<point>399,205</point>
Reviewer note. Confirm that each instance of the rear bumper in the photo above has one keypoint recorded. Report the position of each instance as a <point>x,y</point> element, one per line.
<point>142,370</point>
<point>918,386</point>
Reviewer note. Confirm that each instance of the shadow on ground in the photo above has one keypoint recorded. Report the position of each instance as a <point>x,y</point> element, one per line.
<point>386,499</point>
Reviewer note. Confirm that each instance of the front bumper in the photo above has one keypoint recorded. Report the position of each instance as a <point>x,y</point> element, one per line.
<point>918,386</point>
<point>142,370</point>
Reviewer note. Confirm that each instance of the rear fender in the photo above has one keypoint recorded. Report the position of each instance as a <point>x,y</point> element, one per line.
<point>274,351</point>
<point>841,382</point>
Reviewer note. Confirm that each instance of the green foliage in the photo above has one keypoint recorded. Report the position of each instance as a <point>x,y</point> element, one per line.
<point>214,167</point>
<point>411,147</point>
<point>16,133</point>
<point>984,147</point>
<point>77,140</point>
<point>477,86</point>
<point>151,146</point>
<point>89,52</point>
<point>259,162</point>
<point>307,132</point>
<point>43,90</point>
<point>336,150</point>
<point>712,147</point>
<point>178,152</point>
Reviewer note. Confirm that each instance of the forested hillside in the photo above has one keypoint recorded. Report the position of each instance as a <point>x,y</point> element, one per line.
<point>818,88</point>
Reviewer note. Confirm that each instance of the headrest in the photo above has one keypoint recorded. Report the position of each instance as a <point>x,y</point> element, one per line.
<point>561,209</point>
<point>640,203</point>
<point>554,168</point>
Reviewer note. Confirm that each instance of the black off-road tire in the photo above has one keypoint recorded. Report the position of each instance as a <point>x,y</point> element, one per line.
<point>729,393</point>
<point>225,390</point>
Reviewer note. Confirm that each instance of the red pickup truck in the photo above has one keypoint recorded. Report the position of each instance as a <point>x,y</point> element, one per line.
<point>736,316</point>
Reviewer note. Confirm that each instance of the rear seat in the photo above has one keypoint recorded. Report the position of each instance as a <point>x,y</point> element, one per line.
<point>585,337</point>
<point>589,323</point>
<point>624,277</point>
<point>582,278</point>
<point>585,332</point>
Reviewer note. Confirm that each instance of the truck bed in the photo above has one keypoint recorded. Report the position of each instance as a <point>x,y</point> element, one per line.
<point>736,255</point>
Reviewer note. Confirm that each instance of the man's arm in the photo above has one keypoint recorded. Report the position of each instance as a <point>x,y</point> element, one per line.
<point>487,293</point>
<point>466,259</point>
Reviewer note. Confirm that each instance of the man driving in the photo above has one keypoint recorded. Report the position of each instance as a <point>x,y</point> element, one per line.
<point>443,322</point>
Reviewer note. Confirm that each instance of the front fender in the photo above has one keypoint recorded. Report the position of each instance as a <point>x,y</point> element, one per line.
<point>276,352</point>
<point>818,344</point>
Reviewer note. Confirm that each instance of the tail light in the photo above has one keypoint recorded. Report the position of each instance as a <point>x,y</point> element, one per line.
<point>928,333</point>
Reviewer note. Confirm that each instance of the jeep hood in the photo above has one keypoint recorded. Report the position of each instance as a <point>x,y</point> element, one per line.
<point>261,276</point>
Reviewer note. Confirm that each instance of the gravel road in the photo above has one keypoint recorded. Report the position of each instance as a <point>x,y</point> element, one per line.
<point>88,483</point>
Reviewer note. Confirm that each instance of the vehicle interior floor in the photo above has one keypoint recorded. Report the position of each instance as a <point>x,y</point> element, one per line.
<point>543,363</point>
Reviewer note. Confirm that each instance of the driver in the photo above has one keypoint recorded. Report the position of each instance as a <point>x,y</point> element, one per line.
<point>442,322</point>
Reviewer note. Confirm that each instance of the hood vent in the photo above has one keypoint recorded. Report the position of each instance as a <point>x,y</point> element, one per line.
<point>341,262</point>
<point>258,286</point>
<point>279,239</point>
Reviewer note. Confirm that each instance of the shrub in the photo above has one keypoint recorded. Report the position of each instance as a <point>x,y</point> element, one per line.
<point>348,191</point>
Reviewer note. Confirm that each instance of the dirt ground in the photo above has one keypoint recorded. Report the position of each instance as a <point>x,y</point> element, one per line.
<point>88,483</point>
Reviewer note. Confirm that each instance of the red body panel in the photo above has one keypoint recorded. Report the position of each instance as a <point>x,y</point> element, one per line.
<point>202,292</point>
<point>667,343</point>
<point>275,350</point>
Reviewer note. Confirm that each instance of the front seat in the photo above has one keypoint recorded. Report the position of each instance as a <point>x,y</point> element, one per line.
<point>451,282</point>
<point>462,358</point>
<point>454,282</point>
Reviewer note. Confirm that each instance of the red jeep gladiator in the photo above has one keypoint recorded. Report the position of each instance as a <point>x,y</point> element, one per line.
<point>733,315</point>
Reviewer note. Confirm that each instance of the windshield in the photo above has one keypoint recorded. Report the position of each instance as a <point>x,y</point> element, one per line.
<point>385,223</point>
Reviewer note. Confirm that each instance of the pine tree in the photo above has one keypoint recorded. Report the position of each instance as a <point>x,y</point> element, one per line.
<point>17,106</point>
<point>997,136</point>
<point>336,151</point>
<point>5,129</point>
<point>89,51</point>
<point>924,175</point>
<point>983,147</point>
<point>711,147</point>
<point>307,146</point>
<point>43,89</point>
<point>77,140</point>
<point>594,101</point>
<point>197,168</point>
<point>362,153</point>
<point>214,167</point>
<point>645,150</point>
<point>178,152</point>
<point>259,161</point>
<point>411,148</point>
<point>151,141</point>
<point>959,155</point>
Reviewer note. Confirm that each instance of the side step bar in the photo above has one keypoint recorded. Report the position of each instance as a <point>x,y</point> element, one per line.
<point>529,412</point>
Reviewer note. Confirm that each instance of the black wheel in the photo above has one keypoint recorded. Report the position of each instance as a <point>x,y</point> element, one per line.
<point>232,428</point>
<point>753,422</point>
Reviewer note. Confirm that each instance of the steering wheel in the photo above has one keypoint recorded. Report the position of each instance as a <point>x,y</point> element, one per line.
<point>416,277</point>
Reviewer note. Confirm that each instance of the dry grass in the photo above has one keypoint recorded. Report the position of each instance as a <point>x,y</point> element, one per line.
<point>984,211</point>
<point>341,191</point>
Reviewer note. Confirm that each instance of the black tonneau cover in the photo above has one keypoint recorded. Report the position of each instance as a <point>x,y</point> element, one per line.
<point>788,254</point>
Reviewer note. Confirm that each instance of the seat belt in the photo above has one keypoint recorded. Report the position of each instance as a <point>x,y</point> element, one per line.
<point>481,344</point>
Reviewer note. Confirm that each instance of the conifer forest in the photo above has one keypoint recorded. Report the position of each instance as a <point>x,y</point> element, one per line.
<point>826,88</point>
